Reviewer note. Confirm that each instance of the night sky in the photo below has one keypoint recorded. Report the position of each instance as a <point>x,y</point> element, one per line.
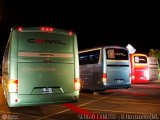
<point>94,25</point>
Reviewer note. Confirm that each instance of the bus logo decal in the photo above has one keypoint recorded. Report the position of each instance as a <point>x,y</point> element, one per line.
<point>41,41</point>
<point>120,54</point>
<point>39,69</point>
<point>111,53</point>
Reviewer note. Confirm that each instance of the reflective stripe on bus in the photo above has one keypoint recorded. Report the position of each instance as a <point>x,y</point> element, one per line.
<point>117,60</point>
<point>40,54</point>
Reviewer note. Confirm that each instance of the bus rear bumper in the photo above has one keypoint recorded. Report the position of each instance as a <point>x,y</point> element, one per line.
<point>18,100</point>
<point>140,81</point>
<point>118,86</point>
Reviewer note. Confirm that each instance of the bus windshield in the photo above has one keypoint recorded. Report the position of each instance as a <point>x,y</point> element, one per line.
<point>116,54</point>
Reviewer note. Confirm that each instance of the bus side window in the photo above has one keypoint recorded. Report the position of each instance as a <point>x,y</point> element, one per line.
<point>93,59</point>
<point>83,60</point>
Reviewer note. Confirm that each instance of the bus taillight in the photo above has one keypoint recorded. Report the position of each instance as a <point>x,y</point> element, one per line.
<point>19,29</point>
<point>47,29</point>
<point>77,84</point>
<point>13,86</point>
<point>104,78</point>
<point>132,77</point>
<point>70,33</point>
<point>130,74</point>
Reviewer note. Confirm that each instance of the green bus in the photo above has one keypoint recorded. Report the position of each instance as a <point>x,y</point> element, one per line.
<point>40,66</point>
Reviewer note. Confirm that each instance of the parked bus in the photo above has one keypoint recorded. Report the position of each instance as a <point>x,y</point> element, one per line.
<point>104,68</point>
<point>40,66</point>
<point>139,68</point>
<point>153,68</point>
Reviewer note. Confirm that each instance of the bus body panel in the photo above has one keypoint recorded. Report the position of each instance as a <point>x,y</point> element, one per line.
<point>40,65</point>
<point>118,76</point>
<point>33,77</point>
<point>139,73</point>
<point>140,69</point>
<point>91,76</point>
<point>153,68</point>
<point>117,67</point>
<point>36,99</point>
<point>103,74</point>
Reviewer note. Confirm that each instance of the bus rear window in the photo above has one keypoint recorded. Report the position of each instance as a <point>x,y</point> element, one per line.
<point>140,59</point>
<point>116,54</point>
<point>44,42</point>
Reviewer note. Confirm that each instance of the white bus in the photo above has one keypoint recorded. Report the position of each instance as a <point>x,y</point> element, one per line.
<point>104,68</point>
<point>153,68</point>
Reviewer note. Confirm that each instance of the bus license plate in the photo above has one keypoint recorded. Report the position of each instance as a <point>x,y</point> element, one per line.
<point>46,90</point>
<point>119,81</point>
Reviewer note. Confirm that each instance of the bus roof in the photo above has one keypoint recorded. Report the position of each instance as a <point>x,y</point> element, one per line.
<point>41,29</point>
<point>98,48</point>
<point>139,54</point>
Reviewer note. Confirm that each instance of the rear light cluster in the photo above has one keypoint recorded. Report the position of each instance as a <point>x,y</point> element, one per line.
<point>77,84</point>
<point>131,75</point>
<point>104,77</point>
<point>70,33</point>
<point>47,29</point>
<point>13,86</point>
<point>19,29</point>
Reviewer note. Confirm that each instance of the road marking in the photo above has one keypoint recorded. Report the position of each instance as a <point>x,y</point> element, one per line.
<point>77,106</point>
<point>96,100</point>
<point>57,106</point>
<point>128,93</point>
<point>130,99</point>
<point>133,103</point>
